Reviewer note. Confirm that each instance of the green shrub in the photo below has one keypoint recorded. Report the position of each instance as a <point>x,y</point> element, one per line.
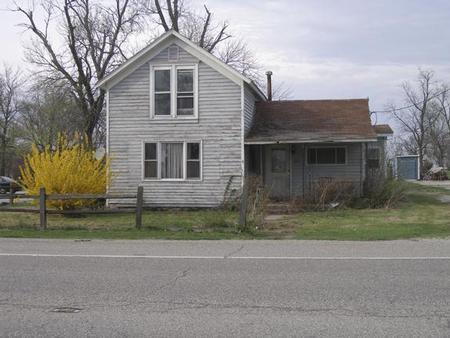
<point>384,193</point>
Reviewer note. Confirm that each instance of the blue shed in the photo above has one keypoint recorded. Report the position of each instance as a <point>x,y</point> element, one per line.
<point>408,167</point>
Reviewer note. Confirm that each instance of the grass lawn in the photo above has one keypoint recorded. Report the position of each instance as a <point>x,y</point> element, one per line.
<point>202,224</point>
<point>421,215</point>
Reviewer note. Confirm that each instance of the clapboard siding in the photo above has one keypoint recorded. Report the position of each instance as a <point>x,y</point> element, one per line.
<point>218,127</point>
<point>303,174</point>
<point>184,57</point>
<point>249,109</point>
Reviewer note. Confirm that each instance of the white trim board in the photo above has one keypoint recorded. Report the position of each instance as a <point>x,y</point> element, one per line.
<point>310,141</point>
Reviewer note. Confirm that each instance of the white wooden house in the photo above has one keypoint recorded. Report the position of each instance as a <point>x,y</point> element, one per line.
<point>186,126</point>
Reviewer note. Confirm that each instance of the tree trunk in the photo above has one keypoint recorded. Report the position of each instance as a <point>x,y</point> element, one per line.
<point>3,157</point>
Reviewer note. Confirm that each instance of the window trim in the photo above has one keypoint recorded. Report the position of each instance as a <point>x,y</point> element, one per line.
<point>379,157</point>
<point>153,93</point>
<point>158,161</point>
<point>144,160</point>
<point>173,92</point>
<point>326,164</point>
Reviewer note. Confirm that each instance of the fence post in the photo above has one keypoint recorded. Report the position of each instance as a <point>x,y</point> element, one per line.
<point>11,194</point>
<point>243,207</point>
<point>139,205</point>
<point>42,209</point>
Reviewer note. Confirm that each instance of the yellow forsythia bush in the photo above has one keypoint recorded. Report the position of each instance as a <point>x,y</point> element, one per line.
<point>69,168</point>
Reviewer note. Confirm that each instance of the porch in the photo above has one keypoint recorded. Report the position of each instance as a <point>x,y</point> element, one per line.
<point>289,170</point>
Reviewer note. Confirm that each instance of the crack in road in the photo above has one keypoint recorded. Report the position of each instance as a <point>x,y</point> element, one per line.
<point>233,252</point>
<point>172,283</point>
<point>177,306</point>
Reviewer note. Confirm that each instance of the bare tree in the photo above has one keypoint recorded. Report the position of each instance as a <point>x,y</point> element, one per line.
<point>236,54</point>
<point>91,41</point>
<point>10,85</point>
<point>201,29</point>
<point>438,134</point>
<point>47,112</point>
<point>443,104</point>
<point>281,91</point>
<point>205,31</point>
<point>443,109</point>
<point>416,120</point>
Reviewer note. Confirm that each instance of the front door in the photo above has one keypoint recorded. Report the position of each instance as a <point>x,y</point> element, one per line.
<point>278,163</point>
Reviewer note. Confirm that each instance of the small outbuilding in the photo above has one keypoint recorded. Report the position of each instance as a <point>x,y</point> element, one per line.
<point>407,167</point>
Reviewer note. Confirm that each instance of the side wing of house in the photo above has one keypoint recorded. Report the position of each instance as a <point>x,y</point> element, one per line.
<point>185,156</point>
<point>377,157</point>
<point>295,145</point>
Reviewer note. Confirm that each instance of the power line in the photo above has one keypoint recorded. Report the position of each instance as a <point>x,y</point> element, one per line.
<point>411,105</point>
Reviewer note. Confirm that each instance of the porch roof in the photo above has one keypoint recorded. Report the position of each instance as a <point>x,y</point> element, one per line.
<point>383,129</point>
<point>305,121</point>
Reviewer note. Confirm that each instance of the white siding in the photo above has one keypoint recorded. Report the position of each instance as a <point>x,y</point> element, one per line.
<point>249,109</point>
<point>218,126</point>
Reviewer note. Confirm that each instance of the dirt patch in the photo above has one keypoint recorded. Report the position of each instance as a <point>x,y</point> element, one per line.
<point>281,227</point>
<point>444,198</point>
<point>270,218</point>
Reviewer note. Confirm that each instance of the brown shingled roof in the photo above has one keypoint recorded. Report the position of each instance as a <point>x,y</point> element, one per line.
<point>382,129</point>
<point>311,121</point>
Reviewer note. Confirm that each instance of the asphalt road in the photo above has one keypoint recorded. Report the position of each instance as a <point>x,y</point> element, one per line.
<point>66,288</point>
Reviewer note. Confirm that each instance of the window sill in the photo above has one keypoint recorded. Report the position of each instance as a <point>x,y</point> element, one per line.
<point>325,164</point>
<point>174,120</point>
<point>189,180</point>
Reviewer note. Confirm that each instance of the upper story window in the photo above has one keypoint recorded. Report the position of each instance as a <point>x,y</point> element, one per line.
<point>327,155</point>
<point>185,92</point>
<point>162,92</point>
<point>173,92</point>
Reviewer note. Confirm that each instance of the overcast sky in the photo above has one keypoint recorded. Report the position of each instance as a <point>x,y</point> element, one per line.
<point>324,48</point>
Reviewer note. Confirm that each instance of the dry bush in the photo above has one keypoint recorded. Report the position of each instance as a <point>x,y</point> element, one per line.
<point>231,196</point>
<point>383,192</point>
<point>325,193</point>
<point>257,200</point>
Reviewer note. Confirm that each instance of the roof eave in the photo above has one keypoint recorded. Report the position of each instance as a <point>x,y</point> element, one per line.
<point>257,91</point>
<point>202,54</point>
<point>345,140</point>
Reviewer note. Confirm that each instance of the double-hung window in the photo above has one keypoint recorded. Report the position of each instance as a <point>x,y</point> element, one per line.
<point>173,92</point>
<point>373,157</point>
<point>150,160</point>
<point>162,91</point>
<point>327,155</point>
<point>185,92</point>
<point>172,160</point>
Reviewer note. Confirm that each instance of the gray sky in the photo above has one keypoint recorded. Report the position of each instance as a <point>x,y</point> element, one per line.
<point>324,48</point>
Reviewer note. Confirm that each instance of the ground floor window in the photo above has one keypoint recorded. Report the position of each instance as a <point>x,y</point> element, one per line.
<point>373,157</point>
<point>327,155</point>
<point>172,160</point>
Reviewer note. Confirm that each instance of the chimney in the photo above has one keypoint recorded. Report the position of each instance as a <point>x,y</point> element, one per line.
<point>269,85</point>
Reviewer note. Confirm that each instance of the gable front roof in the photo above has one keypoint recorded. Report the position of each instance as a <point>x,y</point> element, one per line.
<point>163,41</point>
<point>307,121</point>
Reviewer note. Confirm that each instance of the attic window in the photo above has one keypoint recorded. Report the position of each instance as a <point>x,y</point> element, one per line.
<point>173,53</point>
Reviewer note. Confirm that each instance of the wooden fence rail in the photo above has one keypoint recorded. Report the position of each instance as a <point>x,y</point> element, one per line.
<point>43,198</point>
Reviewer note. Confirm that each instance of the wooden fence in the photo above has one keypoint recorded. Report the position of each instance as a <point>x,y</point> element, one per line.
<point>43,198</point>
